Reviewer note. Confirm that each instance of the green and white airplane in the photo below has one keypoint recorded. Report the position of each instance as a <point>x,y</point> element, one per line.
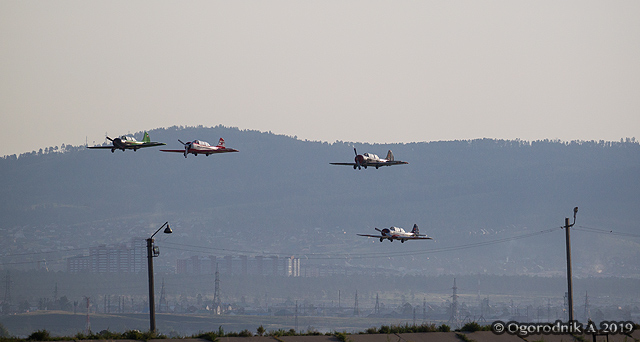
<point>128,143</point>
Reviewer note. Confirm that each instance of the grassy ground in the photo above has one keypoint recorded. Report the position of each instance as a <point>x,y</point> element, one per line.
<point>60,323</point>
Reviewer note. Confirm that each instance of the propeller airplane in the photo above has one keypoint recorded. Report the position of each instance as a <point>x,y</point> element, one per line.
<point>202,147</point>
<point>370,159</point>
<point>128,143</point>
<point>397,233</point>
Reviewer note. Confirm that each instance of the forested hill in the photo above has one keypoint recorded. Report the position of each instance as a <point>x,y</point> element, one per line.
<point>281,192</point>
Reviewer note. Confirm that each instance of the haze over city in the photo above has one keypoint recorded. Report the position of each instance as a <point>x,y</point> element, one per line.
<point>281,224</point>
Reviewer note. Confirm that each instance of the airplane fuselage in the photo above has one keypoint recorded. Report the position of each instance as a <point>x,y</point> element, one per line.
<point>396,233</point>
<point>196,147</point>
<point>125,142</point>
<point>368,158</point>
<point>202,147</point>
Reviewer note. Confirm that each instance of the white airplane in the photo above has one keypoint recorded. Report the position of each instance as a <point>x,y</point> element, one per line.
<point>370,159</point>
<point>202,147</point>
<point>397,233</point>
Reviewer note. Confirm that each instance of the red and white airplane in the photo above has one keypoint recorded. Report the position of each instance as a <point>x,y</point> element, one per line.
<point>370,159</point>
<point>202,147</point>
<point>397,233</point>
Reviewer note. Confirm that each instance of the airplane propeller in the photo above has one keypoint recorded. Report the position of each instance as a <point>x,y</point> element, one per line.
<point>357,161</point>
<point>117,143</point>
<point>112,143</point>
<point>187,146</point>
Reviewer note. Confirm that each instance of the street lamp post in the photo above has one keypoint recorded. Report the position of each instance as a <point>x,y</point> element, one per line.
<point>151,253</point>
<point>566,227</point>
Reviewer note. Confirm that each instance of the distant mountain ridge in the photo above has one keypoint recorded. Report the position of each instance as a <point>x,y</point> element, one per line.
<point>280,194</point>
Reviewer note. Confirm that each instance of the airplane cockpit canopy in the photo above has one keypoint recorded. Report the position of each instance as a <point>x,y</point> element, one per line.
<point>200,142</point>
<point>370,156</point>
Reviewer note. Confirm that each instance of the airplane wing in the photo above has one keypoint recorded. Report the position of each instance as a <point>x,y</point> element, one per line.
<point>128,147</point>
<point>387,163</point>
<point>150,144</point>
<point>373,164</point>
<point>217,151</point>
<point>202,151</point>
<point>374,236</point>
<point>418,238</point>
<point>137,146</point>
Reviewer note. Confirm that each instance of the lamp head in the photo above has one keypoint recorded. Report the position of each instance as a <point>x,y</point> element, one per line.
<point>168,230</point>
<point>575,211</point>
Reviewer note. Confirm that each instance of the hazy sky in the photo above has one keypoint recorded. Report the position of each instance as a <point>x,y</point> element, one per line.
<point>361,70</point>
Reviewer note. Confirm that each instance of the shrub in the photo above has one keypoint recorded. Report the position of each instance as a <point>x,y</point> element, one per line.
<point>470,327</point>
<point>245,333</point>
<point>342,336</point>
<point>40,335</point>
<point>277,333</point>
<point>443,328</point>
<point>3,331</point>
<point>385,329</point>
<point>312,332</point>
<point>132,335</point>
<point>209,336</point>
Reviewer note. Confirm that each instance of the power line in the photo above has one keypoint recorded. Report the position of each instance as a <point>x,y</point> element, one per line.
<point>47,252</point>
<point>604,231</point>
<point>329,255</point>
<point>32,261</point>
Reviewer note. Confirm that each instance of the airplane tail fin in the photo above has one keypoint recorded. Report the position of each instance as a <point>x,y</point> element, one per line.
<point>146,138</point>
<point>390,156</point>
<point>221,142</point>
<point>415,230</point>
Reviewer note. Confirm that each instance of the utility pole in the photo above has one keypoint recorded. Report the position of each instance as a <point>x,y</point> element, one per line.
<point>217,302</point>
<point>163,299</point>
<point>587,313</point>
<point>424,310</point>
<point>356,310</point>
<point>568,240</point>
<point>454,320</point>
<point>88,321</point>
<point>296,323</point>
<point>6,303</point>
